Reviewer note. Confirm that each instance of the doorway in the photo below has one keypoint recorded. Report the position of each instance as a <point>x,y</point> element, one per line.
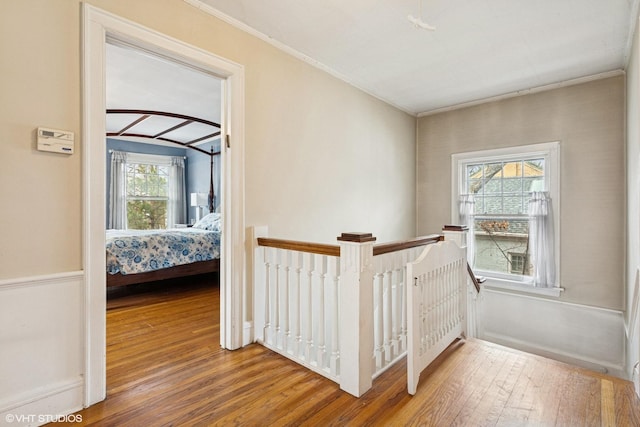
<point>98,27</point>
<point>162,132</point>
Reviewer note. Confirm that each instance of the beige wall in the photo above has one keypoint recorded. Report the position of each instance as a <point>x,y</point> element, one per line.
<point>41,209</point>
<point>588,120</point>
<point>321,156</point>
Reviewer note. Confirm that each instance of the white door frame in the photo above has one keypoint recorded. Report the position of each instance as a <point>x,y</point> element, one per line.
<point>99,25</point>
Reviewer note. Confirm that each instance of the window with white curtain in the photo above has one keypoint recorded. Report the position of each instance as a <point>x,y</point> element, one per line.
<point>151,189</point>
<point>509,199</point>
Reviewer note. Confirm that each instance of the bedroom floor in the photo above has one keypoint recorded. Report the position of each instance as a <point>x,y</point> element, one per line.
<point>165,367</point>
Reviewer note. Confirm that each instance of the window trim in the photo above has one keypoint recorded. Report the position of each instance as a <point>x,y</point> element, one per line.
<point>550,151</point>
<point>154,160</point>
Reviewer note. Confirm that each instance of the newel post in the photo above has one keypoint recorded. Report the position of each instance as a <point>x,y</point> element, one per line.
<point>457,233</point>
<point>356,312</point>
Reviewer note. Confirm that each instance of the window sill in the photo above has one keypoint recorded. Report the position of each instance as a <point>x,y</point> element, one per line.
<point>509,285</point>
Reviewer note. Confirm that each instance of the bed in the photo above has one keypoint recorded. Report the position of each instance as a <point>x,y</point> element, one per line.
<point>137,256</point>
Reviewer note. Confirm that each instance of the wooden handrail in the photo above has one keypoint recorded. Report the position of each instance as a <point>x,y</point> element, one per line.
<point>384,248</point>
<point>292,245</point>
<point>334,250</point>
<point>474,279</point>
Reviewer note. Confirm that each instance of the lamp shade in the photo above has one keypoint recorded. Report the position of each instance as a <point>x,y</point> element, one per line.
<point>199,199</point>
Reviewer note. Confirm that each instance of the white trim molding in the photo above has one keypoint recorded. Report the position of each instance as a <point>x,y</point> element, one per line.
<point>530,91</point>
<point>492,283</point>
<point>49,279</point>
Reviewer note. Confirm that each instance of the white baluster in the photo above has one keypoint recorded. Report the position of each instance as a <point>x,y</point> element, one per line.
<point>426,322</point>
<point>267,297</point>
<point>441,282</point>
<point>449,296</point>
<point>393,315</point>
<point>309,309</point>
<point>406,282</point>
<point>388,312</point>
<point>276,306</point>
<point>446,272</point>
<point>334,365</point>
<point>432,295</point>
<point>379,321</point>
<point>297,322</point>
<point>321,347</point>
<point>286,342</point>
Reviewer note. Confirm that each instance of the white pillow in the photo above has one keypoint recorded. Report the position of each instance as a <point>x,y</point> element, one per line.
<point>209,222</point>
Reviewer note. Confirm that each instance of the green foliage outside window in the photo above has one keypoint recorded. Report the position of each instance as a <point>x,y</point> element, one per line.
<point>147,196</point>
<point>147,214</point>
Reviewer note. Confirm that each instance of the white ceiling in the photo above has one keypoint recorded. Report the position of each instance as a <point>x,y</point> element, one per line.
<point>138,80</point>
<point>480,48</point>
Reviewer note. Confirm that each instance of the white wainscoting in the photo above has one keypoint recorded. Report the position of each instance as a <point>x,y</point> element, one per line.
<point>41,347</point>
<point>585,336</point>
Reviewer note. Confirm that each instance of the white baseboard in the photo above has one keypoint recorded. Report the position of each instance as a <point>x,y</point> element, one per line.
<point>556,354</point>
<point>247,334</point>
<point>43,405</point>
<point>585,336</point>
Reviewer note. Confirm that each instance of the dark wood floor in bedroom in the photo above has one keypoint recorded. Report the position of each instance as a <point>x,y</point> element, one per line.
<point>166,368</point>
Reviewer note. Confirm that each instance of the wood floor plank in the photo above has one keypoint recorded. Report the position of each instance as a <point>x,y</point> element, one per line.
<point>473,405</point>
<point>626,404</point>
<point>607,406</point>
<point>451,392</point>
<point>546,402</point>
<point>432,379</point>
<point>165,367</point>
<point>520,405</point>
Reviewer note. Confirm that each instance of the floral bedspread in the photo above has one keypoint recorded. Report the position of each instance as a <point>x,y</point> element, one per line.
<point>139,251</point>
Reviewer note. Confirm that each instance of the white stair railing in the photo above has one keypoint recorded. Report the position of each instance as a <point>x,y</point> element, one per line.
<point>339,310</point>
<point>297,308</point>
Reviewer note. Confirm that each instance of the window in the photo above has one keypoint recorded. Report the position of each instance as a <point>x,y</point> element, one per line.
<point>147,196</point>
<point>507,197</point>
<point>146,191</point>
<point>519,263</point>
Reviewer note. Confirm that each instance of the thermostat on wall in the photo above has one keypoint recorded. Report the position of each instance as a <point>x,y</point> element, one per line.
<point>55,141</point>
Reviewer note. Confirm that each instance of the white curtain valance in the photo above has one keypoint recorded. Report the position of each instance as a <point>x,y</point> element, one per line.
<point>153,159</point>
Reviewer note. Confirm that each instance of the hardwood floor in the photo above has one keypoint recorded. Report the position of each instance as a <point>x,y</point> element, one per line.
<point>165,368</point>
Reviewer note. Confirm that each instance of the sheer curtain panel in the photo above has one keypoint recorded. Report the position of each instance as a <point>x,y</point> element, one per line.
<point>118,191</point>
<point>467,207</point>
<point>541,240</point>
<point>177,209</point>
